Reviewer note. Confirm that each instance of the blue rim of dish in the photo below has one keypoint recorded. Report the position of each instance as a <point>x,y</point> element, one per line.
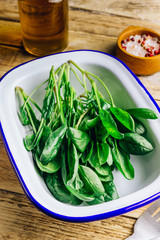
<point>64,217</point>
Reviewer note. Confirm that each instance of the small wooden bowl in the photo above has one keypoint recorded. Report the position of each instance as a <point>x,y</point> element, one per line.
<point>139,65</point>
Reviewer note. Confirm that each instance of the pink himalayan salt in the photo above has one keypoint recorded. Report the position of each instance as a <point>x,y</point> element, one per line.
<point>142,45</point>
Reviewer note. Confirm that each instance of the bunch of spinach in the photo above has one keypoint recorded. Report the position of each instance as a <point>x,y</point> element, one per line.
<point>79,140</point>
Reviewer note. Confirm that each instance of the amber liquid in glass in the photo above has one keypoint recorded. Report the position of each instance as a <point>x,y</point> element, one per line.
<point>44,25</point>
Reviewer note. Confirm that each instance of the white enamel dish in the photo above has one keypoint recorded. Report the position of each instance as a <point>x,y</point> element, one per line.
<point>127,91</point>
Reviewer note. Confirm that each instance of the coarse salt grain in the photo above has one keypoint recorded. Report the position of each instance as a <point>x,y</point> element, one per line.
<point>141,45</point>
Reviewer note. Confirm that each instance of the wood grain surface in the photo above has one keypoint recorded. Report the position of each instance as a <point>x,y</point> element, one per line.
<point>93,24</point>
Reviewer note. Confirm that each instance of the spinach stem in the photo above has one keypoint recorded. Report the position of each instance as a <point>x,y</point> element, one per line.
<point>78,67</point>
<point>93,75</point>
<point>95,91</point>
<point>80,119</point>
<point>60,77</point>
<point>77,77</point>
<point>53,115</point>
<point>34,103</point>
<point>58,97</point>
<point>29,97</point>
<point>38,135</point>
<point>104,85</point>
<point>20,92</point>
<point>85,86</point>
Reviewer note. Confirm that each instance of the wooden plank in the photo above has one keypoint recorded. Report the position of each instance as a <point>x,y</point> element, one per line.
<point>148,10</point>
<point>10,33</point>
<point>91,22</point>
<point>9,10</point>
<point>128,8</point>
<point>11,57</point>
<point>29,223</point>
<point>152,83</point>
<point>101,24</point>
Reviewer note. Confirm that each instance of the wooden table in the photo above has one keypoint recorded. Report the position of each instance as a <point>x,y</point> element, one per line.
<point>93,24</point>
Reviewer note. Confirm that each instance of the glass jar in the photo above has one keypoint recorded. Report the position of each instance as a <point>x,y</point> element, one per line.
<point>44,25</point>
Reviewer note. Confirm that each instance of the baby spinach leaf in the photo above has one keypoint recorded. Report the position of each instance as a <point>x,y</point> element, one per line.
<point>78,183</point>
<point>123,117</point>
<point>81,194</point>
<point>28,140</point>
<point>104,104</point>
<point>111,191</point>
<point>110,141</point>
<point>86,155</point>
<point>53,144</point>
<point>88,123</point>
<point>48,104</point>
<point>103,152</point>
<point>97,200</point>
<point>60,192</point>
<point>94,158</point>
<point>23,116</point>
<point>73,162</point>
<point>110,124</point>
<point>110,158</point>
<point>102,133</point>
<point>46,132</point>
<point>91,180</point>
<point>142,113</point>
<point>79,138</point>
<point>135,144</point>
<point>122,161</point>
<point>103,170</point>
<point>107,178</point>
<point>51,167</point>
<point>37,137</point>
<point>139,127</point>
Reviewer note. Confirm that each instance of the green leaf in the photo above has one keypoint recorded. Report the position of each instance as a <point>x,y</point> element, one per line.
<point>139,127</point>
<point>81,194</point>
<point>79,138</point>
<point>48,104</point>
<point>110,158</point>
<point>104,104</point>
<point>102,133</point>
<point>86,155</point>
<point>73,163</point>
<point>142,113</point>
<point>135,144</point>
<point>110,124</point>
<point>123,117</point>
<point>97,200</point>
<point>91,180</point>
<point>122,161</point>
<point>37,137</point>
<point>53,144</point>
<point>88,123</point>
<point>107,178</point>
<point>94,158</point>
<point>23,116</point>
<point>110,141</point>
<point>103,170</point>
<point>51,167</point>
<point>111,191</point>
<point>103,152</point>
<point>45,134</point>
<point>60,192</point>
<point>78,183</point>
<point>28,140</point>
